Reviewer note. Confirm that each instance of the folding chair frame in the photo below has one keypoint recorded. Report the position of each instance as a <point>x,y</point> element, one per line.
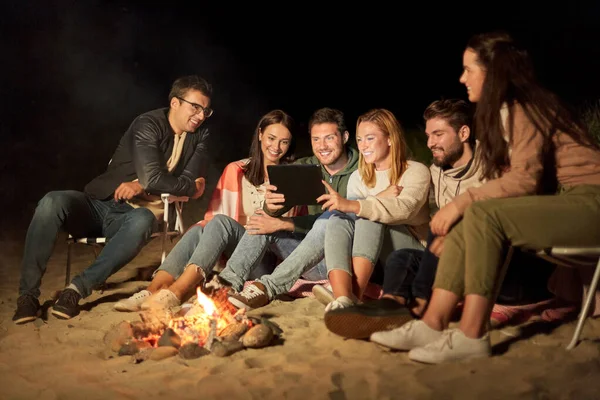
<point>97,243</point>
<point>574,257</point>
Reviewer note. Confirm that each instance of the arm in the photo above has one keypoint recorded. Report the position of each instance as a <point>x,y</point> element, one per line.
<point>400,209</point>
<point>149,163</point>
<point>525,167</point>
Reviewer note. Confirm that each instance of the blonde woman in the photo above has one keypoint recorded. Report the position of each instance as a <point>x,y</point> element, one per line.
<point>387,200</point>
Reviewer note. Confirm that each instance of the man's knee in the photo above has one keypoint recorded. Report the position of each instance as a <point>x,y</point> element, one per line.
<point>141,220</point>
<point>55,201</point>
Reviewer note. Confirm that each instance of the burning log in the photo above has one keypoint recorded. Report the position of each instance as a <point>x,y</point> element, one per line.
<point>212,334</point>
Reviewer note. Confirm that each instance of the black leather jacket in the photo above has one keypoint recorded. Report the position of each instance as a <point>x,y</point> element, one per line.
<point>142,154</point>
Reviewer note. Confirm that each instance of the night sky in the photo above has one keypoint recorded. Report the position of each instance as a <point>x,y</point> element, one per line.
<point>75,74</point>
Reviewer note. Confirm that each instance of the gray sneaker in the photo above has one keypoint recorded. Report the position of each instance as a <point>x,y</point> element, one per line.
<point>133,303</point>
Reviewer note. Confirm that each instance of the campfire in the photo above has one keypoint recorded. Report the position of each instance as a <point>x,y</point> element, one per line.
<point>207,325</point>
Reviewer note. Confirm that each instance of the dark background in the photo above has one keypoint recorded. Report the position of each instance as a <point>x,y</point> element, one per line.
<point>75,74</point>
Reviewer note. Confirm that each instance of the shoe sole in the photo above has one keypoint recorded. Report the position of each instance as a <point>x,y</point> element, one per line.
<point>24,320</point>
<point>238,304</point>
<point>62,315</point>
<point>353,325</point>
<point>322,294</point>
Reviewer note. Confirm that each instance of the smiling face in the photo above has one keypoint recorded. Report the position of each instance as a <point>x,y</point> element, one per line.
<point>374,145</point>
<point>327,143</point>
<point>473,75</point>
<point>275,141</point>
<point>183,115</point>
<point>444,142</point>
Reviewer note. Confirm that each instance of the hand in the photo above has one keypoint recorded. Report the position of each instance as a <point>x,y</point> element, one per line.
<point>200,186</point>
<point>390,191</point>
<point>128,190</point>
<point>262,224</point>
<point>333,201</point>
<point>444,219</point>
<point>273,201</point>
<point>437,245</point>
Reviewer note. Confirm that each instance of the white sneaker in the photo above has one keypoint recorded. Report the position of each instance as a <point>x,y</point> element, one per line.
<point>413,334</point>
<point>132,303</point>
<point>340,302</point>
<point>323,293</point>
<point>163,299</point>
<point>453,345</point>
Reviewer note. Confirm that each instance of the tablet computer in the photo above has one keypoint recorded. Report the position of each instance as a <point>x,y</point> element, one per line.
<point>300,183</point>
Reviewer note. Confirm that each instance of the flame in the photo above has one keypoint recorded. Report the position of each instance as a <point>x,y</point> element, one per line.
<point>213,313</point>
<point>207,304</point>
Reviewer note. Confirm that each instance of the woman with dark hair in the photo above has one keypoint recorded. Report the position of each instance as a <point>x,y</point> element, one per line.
<point>238,195</point>
<point>530,144</point>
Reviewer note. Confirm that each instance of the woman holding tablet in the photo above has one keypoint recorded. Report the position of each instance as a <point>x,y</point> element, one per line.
<point>238,194</point>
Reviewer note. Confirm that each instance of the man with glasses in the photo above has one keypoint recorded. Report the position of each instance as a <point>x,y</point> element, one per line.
<point>162,151</point>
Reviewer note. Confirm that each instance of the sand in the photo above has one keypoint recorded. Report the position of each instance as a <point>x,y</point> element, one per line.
<point>57,359</point>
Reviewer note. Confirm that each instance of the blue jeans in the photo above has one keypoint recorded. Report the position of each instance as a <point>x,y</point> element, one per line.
<point>301,255</point>
<point>350,236</point>
<point>127,229</point>
<point>204,246</point>
<point>410,272</point>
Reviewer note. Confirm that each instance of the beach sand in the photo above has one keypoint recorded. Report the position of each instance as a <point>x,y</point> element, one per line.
<point>58,359</point>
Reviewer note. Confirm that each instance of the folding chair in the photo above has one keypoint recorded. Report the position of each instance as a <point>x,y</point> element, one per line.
<point>98,242</point>
<point>575,257</point>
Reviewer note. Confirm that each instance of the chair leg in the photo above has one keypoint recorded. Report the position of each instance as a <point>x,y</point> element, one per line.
<point>163,249</point>
<point>586,308</point>
<point>68,274</point>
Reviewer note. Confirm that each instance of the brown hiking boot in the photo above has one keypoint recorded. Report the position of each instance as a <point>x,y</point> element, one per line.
<point>253,296</point>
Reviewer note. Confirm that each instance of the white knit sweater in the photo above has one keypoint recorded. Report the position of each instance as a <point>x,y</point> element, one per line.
<point>410,207</point>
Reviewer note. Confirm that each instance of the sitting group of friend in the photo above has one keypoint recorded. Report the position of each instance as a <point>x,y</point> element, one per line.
<point>518,169</point>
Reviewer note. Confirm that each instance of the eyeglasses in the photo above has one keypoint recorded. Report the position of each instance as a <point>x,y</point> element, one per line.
<point>198,108</point>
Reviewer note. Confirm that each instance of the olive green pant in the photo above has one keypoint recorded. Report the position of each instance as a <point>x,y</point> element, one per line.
<point>475,248</point>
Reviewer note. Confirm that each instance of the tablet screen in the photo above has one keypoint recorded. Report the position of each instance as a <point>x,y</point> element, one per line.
<point>300,183</point>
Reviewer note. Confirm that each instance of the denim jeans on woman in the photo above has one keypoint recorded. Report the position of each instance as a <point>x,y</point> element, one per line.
<point>204,246</point>
<point>302,255</point>
<point>127,229</point>
<point>349,236</point>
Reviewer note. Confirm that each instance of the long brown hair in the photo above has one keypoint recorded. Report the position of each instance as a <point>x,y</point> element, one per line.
<point>389,125</point>
<point>254,171</point>
<point>509,80</point>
